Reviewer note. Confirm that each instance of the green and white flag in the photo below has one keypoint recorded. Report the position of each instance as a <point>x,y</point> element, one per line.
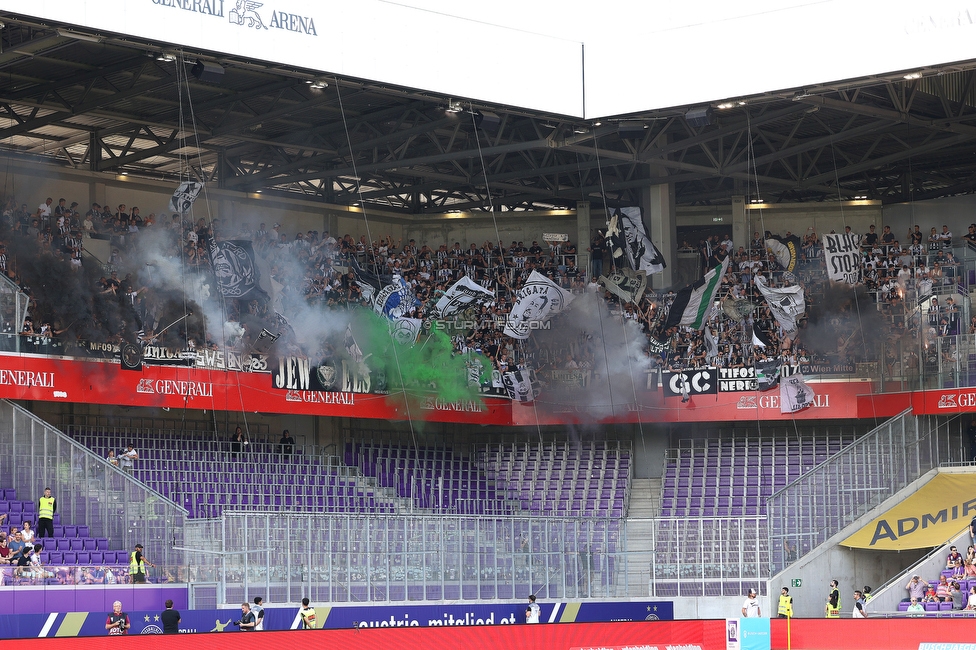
<point>693,303</point>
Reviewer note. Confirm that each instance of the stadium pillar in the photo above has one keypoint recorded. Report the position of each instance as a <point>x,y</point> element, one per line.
<point>583,236</point>
<point>740,222</point>
<point>96,194</point>
<point>657,203</point>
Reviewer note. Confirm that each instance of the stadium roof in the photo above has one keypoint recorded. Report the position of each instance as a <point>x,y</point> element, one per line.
<point>118,104</point>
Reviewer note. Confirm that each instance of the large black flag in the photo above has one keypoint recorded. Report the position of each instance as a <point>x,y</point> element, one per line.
<point>236,272</point>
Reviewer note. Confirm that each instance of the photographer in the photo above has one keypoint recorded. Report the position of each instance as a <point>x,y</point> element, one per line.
<point>118,621</point>
<point>247,621</point>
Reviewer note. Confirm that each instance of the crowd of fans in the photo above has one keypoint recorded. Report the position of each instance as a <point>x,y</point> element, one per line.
<point>118,301</point>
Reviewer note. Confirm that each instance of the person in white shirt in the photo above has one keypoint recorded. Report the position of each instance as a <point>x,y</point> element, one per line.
<point>45,208</point>
<point>533,611</point>
<point>859,611</point>
<point>127,459</point>
<point>27,533</point>
<point>258,610</point>
<point>750,608</point>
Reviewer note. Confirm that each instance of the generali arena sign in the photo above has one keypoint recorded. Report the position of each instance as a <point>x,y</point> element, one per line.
<point>290,391</point>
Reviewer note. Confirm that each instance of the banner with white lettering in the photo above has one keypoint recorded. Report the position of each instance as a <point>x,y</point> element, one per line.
<point>696,382</point>
<point>842,257</point>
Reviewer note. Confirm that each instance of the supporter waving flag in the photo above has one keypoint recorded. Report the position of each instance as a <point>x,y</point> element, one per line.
<point>395,300</point>
<point>786,303</point>
<point>405,330</point>
<point>626,284</point>
<point>767,373</point>
<point>460,295</point>
<point>627,236</point>
<point>235,269</point>
<point>786,250</point>
<point>184,196</point>
<point>537,301</point>
<point>794,394</point>
<point>693,303</point>
<point>521,385</point>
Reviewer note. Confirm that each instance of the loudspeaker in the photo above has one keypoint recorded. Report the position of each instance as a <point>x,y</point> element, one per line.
<point>631,130</point>
<point>699,116</point>
<point>488,121</point>
<point>207,72</point>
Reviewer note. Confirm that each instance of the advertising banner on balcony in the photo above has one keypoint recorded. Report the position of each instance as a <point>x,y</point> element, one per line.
<point>937,512</point>
<point>329,617</point>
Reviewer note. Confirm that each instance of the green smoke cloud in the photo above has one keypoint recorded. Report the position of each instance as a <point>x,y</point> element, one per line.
<point>430,366</point>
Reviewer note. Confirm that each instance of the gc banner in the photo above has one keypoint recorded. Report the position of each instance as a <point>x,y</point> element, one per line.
<point>703,381</point>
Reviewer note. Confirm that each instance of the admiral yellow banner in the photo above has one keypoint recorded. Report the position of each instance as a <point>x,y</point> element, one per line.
<point>940,510</point>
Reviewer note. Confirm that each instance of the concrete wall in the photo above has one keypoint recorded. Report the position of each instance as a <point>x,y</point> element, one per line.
<point>794,217</point>
<point>477,228</point>
<point>957,212</point>
<point>31,182</point>
<point>716,607</point>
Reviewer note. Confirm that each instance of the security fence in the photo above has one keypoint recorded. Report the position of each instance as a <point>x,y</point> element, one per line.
<point>354,558</point>
<point>823,501</point>
<point>90,492</point>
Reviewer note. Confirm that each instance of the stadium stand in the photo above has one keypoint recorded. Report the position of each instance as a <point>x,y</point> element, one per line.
<point>724,477</point>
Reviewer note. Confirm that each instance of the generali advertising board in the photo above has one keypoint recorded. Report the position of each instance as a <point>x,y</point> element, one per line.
<point>291,388</point>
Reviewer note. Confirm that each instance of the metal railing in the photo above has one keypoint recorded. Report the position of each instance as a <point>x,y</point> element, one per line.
<point>810,510</point>
<point>89,491</point>
<point>356,558</point>
<point>700,556</point>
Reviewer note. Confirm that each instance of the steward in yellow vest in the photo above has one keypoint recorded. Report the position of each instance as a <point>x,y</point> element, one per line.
<point>785,609</point>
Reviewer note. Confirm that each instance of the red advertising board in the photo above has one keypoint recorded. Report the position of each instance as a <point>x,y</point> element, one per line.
<point>30,377</point>
<point>870,633</point>
<point>706,635</point>
<point>834,400</point>
<point>103,382</point>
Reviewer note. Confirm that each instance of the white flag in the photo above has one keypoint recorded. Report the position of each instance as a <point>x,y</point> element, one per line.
<point>794,394</point>
<point>405,330</point>
<point>521,385</point>
<point>461,294</point>
<point>711,345</point>
<point>786,303</point>
<point>536,302</point>
<point>352,347</point>
<point>184,196</point>
<point>627,235</point>
<point>843,257</point>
